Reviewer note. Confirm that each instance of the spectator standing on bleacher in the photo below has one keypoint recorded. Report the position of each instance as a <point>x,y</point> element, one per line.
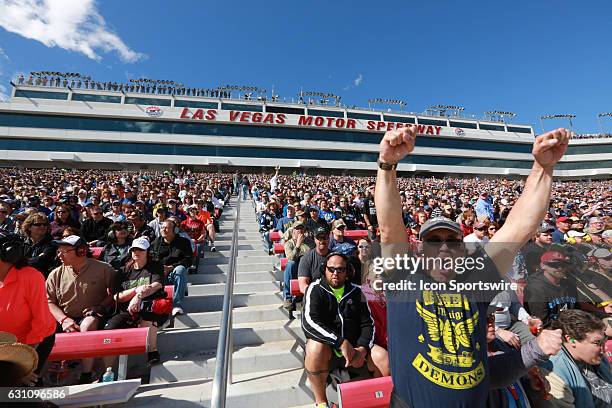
<point>369,212</point>
<point>245,187</point>
<point>80,291</point>
<point>267,222</point>
<point>484,207</point>
<point>116,251</point>
<point>95,229</point>
<point>175,254</point>
<point>311,263</point>
<point>347,212</point>
<point>24,310</point>
<point>295,249</point>
<point>196,229</point>
<point>39,247</point>
<point>456,373</point>
<point>337,324</point>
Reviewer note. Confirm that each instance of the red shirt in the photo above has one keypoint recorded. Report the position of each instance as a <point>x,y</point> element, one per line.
<point>193,227</point>
<point>24,309</point>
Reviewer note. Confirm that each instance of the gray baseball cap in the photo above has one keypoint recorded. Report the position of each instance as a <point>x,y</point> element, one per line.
<point>439,223</point>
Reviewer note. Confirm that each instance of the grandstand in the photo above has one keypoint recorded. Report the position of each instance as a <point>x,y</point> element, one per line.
<point>105,125</point>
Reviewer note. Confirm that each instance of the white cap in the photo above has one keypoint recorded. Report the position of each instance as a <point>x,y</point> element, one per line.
<point>141,243</point>
<point>72,240</point>
<point>573,234</point>
<point>503,201</point>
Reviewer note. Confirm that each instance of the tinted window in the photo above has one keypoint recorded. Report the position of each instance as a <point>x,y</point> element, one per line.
<point>96,98</point>
<point>20,93</point>
<point>368,116</point>
<point>280,109</point>
<point>239,107</point>
<point>485,126</point>
<point>180,103</point>
<point>147,101</point>
<point>401,119</point>
<point>464,125</point>
<point>433,122</point>
<point>518,129</point>
<point>328,113</point>
<point>199,150</point>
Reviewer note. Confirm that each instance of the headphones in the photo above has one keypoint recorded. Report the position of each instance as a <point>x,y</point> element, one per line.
<point>176,228</point>
<point>11,248</point>
<point>350,269</point>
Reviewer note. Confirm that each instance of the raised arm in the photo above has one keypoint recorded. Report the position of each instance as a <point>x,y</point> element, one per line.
<point>532,205</point>
<point>395,145</point>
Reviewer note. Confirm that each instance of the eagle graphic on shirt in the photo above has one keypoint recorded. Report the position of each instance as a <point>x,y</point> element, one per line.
<point>449,339</point>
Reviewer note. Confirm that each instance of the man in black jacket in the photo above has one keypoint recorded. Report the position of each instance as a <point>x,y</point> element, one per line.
<point>174,252</point>
<point>95,229</point>
<point>337,323</point>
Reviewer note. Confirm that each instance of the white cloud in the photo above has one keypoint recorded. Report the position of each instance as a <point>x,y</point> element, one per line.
<point>3,55</point>
<point>71,25</point>
<point>358,81</point>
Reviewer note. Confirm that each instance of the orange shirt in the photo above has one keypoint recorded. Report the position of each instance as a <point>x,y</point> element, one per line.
<point>24,309</point>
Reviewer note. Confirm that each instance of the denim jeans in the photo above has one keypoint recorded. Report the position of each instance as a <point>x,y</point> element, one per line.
<point>245,190</point>
<point>269,244</point>
<point>291,270</point>
<point>178,278</point>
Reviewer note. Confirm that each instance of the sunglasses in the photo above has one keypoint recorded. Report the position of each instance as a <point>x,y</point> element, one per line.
<point>492,228</point>
<point>363,246</point>
<point>66,251</point>
<point>557,265</point>
<point>341,227</point>
<point>322,237</point>
<point>40,224</point>
<point>336,271</point>
<point>452,242</point>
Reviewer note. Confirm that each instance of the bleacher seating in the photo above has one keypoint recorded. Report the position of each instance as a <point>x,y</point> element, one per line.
<point>100,343</point>
<point>608,350</point>
<point>356,234</point>
<point>275,236</point>
<point>372,393</point>
<point>96,252</point>
<point>283,263</point>
<point>279,249</point>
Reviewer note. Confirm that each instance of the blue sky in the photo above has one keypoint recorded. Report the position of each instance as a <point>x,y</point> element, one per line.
<point>528,57</point>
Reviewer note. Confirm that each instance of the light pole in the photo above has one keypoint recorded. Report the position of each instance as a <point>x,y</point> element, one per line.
<point>567,116</point>
<point>498,116</point>
<point>602,115</point>
<point>440,110</point>
<point>387,102</point>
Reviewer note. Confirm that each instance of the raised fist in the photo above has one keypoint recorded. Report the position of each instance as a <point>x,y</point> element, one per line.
<point>396,144</point>
<point>550,147</point>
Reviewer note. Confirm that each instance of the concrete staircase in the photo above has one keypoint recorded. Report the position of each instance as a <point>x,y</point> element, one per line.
<point>267,363</point>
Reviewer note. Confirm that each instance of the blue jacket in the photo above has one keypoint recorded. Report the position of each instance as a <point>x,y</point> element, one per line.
<point>564,367</point>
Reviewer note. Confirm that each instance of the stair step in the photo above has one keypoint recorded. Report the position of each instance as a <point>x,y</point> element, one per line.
<point>242,287</point>
<point>253,260</point>
<point>245,314</point>
<point>244,334</point>
<point>273,389</point>
<point>211,303</point>
<point>278,355</point>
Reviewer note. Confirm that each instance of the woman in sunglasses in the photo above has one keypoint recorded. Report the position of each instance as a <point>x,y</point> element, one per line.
<point>38,245</point>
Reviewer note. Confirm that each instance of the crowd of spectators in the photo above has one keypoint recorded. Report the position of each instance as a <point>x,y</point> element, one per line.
<point>152,227</point>
<point>149,228</point>
<point>563,275</point>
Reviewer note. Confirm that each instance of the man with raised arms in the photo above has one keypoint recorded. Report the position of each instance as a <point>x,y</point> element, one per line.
<point>437,339</point>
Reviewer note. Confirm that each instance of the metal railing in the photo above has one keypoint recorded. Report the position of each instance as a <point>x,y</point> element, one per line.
<point>225,346</point>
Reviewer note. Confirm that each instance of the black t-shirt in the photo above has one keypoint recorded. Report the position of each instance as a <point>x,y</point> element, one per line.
<point>129,277</point>
<point>310,265</point>
<point>370,210</point>
<point>437,341</point>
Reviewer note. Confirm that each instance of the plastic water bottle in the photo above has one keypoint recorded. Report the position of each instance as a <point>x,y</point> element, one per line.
<point>108,376</point>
